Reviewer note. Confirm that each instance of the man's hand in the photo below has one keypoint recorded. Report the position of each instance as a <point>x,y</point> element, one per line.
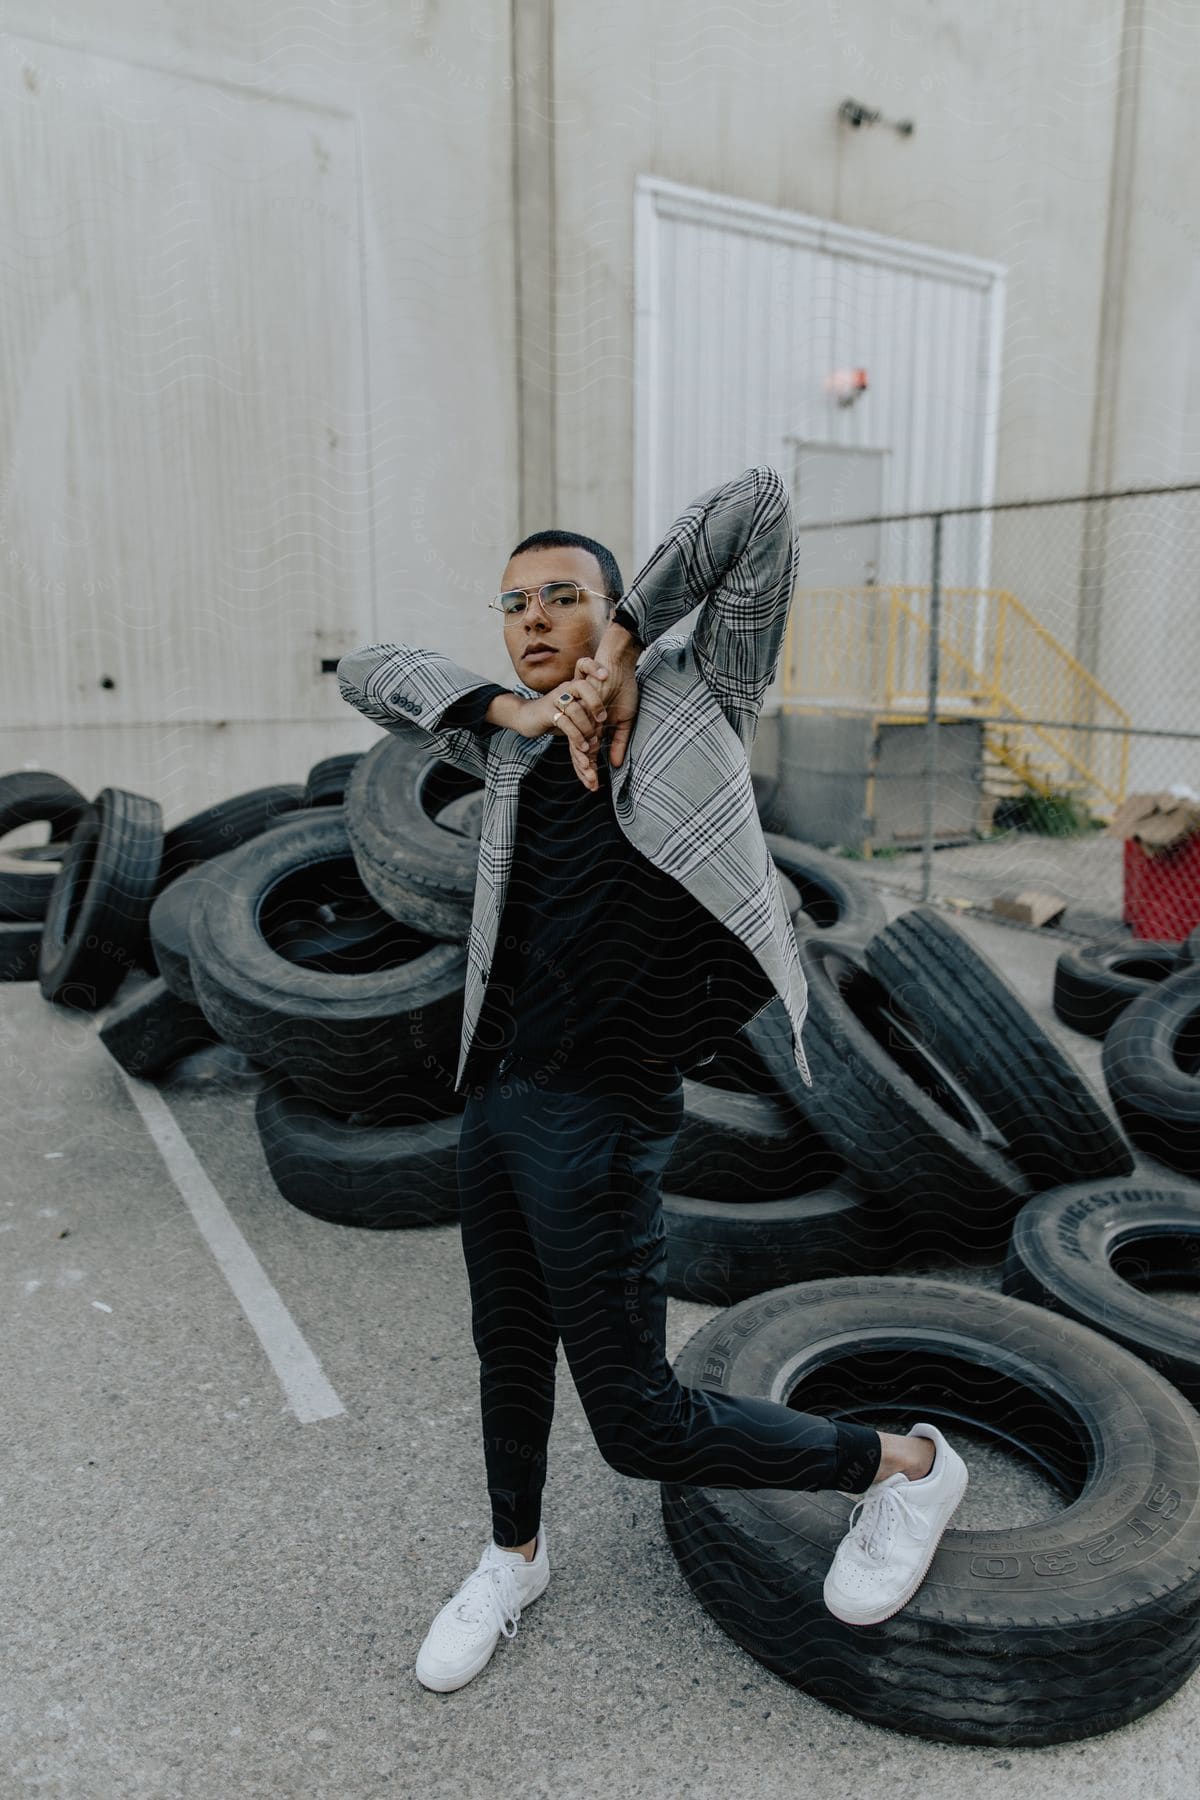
<point>612,674</point>
<point>606,699</point>
<point>580,721</point>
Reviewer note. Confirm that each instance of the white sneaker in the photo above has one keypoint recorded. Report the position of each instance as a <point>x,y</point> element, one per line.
<point>466,1631</point>
<point>894,1531</point>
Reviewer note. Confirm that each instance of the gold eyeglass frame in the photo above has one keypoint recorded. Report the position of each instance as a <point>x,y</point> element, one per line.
<point>529,592</point>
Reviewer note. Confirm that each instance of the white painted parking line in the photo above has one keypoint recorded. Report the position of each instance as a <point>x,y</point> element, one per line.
<point>303,1380</point>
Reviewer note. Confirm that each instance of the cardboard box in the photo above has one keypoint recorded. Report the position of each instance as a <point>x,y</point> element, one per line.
<point>1029,907</point>
<point>1156,821</point>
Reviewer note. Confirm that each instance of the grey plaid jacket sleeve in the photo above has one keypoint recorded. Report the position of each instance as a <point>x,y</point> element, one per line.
<point>375,680</point>
<point>735,550</point>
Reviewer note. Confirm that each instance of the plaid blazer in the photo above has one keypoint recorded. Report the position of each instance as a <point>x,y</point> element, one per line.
<point>683,794</point>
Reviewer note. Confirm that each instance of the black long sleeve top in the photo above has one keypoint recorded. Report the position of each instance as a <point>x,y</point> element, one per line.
<point>601,958</point>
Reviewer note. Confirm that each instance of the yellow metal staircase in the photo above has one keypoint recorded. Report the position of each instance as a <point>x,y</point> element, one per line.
<point>867,649</point>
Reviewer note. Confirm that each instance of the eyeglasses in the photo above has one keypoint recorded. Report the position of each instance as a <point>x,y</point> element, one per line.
<point>555,596</point>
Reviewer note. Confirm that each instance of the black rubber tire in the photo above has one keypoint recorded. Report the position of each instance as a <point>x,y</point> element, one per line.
<point>29,797</point>
<point>96,923</point>
<point>169,917</point>
<point>411,867</point>
<point>1042,1633</point>
<point>732,1144</point>
<point>1094,983</point>
<point>1093,1250</point>
<point>170,921</point>
<point>328,779</point>
<point>354,1031</point>
<point>1191,946</point>
<point>153,1030</point>
<point>27,878</point>
<point>934,1167</point>
<point>20,946</point>
<point>830,894</point>
<point>224,826</point>
<point>464,815</point>
<point>959,1006</point>
<point>381,1176</point>
<point>1151,1059</point>
<point>721,1251</point>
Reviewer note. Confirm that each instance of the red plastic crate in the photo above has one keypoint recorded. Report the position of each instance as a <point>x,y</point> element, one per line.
<point>1162,890</point>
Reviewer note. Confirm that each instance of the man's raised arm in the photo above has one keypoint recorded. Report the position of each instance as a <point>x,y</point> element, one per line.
<point>733,552</point>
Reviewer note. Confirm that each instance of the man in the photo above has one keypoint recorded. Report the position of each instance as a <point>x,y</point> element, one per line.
<point>627,917</point>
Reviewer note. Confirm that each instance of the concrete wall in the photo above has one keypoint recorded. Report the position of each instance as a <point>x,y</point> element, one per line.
<point>396,534</point>
<point>497,147</point>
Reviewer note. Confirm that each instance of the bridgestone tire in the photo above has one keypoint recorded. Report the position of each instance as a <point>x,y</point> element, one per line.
<point>938,1180</point>
<point>378,1176</point>
<point>353,1030</point>
<point>153,1029</point>
<point>1094,983</point>
<point>412,868</point>
<point>1092,1251</point>
<point>20,944</point>
<point>327,779</point>
<point>961,1009</point>
<point>96,923</point>
<point>731,1145</point>
<point>1151,1060</point>
<point>29,797</point>
<point>1040,1633</point>
<point>722,1251</point>
<point>829,894</point>
<point>225,826</point>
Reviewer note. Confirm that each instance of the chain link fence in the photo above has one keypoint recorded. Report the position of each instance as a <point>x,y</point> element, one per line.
<point>966,698</point>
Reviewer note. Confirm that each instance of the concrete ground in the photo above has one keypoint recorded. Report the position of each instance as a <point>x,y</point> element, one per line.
<point>1086,872</point>
<point>243,1471</point>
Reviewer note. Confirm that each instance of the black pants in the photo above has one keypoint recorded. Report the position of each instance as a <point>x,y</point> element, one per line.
<point>563,1236</point>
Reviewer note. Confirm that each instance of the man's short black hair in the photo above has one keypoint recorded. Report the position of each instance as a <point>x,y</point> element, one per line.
<point>610,574</point>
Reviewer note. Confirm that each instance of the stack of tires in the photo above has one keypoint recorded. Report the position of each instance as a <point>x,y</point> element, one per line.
<point>964,1133</point>
<point>1142,1000</point>
<point>320,931</point>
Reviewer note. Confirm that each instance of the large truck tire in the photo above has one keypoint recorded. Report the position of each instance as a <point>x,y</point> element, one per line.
<point>328,779</point>
<point>96,922</point>
<point>357,1023</point>
<point>1094,983</point>
<point>902,1128</point>
<point>958,1005</point>
<point>1151,1060</point>
<point>411,866</point>
<point>224,826</point>
<point>1096,1250</point>
<point>830,894</point>
<point>27,876</point>
<point>1045,1632</point>
<point>720,1251</point>
<point>152,1030</point>
<point>380,1176</point>
<point>736,1144</point>
<point>20,947</point>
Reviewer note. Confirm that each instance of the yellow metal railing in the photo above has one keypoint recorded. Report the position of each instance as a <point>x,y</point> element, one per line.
<point>867,648</point>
